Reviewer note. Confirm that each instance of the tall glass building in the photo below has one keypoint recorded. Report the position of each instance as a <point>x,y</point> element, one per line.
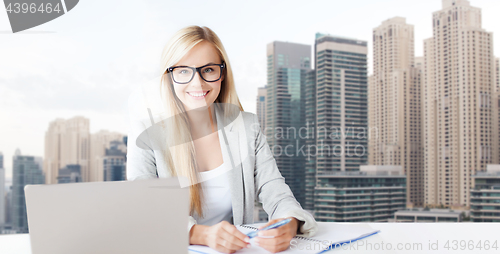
<point>287,67</point>
<point>26,170</point>
<point>340,111</point>
<point>310,142</point>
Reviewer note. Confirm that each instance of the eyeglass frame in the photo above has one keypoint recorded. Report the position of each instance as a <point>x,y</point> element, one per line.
<point>197,69</point>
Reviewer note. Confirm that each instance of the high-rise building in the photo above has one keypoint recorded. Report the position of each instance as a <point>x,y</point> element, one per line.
<point>495,115</point>
<point>99,142</point>
<point>8,207</point>
<point>67,142</point>
<point>261,107</point>
<point>485,196</point>
<point>340,110</point>
<point>395,104</point>
<point>114,162</point>
<point>26,170</point>
<point>341,103</point>
<point>310,141</point>
<point>287,65</point>
<point>374,193</point>
<point>2,192</point>
<point>458,90</point>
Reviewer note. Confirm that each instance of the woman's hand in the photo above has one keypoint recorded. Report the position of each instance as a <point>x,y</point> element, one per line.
<point>282,236</point>
<point>222,237</point>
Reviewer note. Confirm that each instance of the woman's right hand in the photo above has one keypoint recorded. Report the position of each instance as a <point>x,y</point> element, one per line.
<point>222,237</point>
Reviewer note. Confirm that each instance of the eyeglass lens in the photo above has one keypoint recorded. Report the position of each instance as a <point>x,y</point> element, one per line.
<point>209,73</point>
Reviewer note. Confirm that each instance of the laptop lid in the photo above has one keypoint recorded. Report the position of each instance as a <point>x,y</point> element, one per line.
<point>142,216</point>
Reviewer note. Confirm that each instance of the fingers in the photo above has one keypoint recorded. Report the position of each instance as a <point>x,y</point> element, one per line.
<point>280,238</point>
<point>272,241</point>
<point>275,232</point>
<point>231,229</point>
<point>230,240</point>
<point>273,244</point>
<point>224,237</point>
<point>270,223</point>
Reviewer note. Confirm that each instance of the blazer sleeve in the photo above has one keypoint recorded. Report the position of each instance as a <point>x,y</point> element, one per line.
<point>271,190</point>
<point>141,161</point>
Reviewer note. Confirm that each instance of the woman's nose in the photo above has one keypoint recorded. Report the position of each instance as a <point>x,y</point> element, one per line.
<point>197,80</point>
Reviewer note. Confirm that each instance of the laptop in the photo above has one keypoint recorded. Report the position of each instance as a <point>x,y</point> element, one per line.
<point>142,216</point>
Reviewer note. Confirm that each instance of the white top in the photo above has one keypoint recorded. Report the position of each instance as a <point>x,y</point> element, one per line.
<point>217,205</point>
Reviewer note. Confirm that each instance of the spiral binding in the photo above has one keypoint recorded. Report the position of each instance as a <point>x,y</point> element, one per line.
<point>296,237</point>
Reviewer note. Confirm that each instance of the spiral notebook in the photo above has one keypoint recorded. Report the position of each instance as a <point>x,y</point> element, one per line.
<point>329,236</point>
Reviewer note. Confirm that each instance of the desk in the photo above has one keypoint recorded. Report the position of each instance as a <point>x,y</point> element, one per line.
<point>409,237</point>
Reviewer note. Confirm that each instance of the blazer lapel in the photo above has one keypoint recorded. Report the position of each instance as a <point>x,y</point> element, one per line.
<point>231,138</point>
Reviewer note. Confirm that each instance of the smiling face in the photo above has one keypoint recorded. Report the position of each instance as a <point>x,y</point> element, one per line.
<point>199,93</point>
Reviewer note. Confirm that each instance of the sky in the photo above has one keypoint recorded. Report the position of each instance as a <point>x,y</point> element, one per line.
<point>86,62</point>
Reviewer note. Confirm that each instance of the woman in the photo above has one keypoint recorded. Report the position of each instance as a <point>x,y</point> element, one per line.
<point>226,159</point>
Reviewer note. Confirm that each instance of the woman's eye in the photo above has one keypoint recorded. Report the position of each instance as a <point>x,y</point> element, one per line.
<point>183,72</point>
<point>208,70</point>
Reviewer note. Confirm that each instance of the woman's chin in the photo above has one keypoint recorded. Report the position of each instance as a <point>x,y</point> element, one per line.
<point>203,104</point>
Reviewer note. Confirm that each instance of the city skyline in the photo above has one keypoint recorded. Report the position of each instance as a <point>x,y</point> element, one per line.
<point>108,109</point>
<point>436,118</point>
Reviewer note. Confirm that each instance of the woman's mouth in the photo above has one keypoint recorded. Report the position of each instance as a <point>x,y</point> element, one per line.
<point>198,95</point>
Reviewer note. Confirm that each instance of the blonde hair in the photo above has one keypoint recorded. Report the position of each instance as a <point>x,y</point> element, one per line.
<point>181,159</point>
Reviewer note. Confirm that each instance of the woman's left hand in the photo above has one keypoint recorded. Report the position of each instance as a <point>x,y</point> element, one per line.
<point>281,236</point>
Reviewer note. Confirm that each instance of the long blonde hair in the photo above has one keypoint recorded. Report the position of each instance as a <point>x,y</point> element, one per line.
<point>181,159</point>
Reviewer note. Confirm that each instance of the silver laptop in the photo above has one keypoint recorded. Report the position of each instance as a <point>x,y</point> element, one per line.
<point>142,216</point>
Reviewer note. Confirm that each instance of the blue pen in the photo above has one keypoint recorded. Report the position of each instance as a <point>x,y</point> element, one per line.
<point>275,225</point>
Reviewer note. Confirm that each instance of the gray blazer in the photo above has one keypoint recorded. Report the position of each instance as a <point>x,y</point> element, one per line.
<point>254,173</point>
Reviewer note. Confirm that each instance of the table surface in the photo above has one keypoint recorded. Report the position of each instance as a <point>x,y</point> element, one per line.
<point>393,238</point>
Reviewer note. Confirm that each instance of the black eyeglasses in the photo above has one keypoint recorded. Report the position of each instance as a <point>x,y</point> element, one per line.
<point>184,74</point>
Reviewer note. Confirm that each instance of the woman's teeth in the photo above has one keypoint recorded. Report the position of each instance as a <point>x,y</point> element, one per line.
<point>198,94</point>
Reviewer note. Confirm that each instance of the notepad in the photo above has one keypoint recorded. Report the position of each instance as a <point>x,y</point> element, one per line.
<point>328,237</point>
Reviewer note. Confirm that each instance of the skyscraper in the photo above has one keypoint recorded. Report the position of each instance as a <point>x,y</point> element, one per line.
<point>341,94</point>
<point>395,104</point>
<point>8,206</point>
<point>495,109</point>
<point>261,107</point>
<point>26,170</point>
<point>458,89</point>
<point>287,65</point>
<point>310,141</point>
<point>114,162</point>
<point>67,142</point>
<point>2,192</point>
<point>99,142</point>
<point>340,110</point>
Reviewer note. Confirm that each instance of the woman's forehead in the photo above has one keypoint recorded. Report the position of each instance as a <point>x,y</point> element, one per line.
<point>201,54</point>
